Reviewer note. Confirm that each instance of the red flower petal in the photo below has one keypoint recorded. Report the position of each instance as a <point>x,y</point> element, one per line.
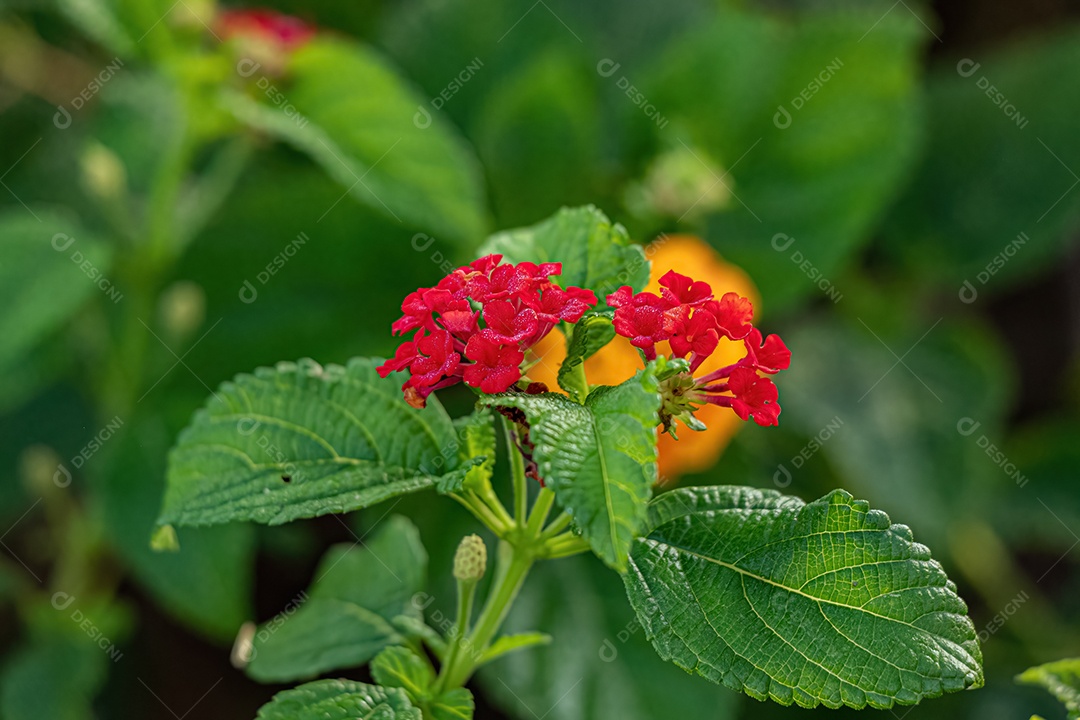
<point>733,314</point>
<point>404,355</point>
<point>770,356</point>
<point>682,290</point>
<point>496,367</point>
<point>755,396</point>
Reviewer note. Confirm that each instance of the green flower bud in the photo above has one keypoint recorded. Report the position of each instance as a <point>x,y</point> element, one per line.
<point>470,561</point>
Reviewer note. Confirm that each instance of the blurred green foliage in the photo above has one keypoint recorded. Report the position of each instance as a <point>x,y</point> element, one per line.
<point>857,161</point>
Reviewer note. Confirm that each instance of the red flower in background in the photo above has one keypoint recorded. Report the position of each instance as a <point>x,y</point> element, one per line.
<point>283,31</point>
<point>518,304</point>
<point>687,316</point>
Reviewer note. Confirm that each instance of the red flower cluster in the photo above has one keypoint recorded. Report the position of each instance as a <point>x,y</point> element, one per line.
<point>284,32</point>
<point>518,305</point>
<point>687,316</point>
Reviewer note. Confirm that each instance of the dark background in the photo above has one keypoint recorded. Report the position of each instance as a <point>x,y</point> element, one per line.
<point>899,180</point>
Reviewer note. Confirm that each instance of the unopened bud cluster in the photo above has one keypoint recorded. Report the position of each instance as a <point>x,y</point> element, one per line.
<point>470,561</point>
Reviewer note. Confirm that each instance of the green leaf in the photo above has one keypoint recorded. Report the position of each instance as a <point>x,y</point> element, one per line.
<point>339,700</point>
<point>822,177</point>
<point>345,617</point>
<point>964,209</point>
<point>400,667</point>
<point>592,332</point>
<point>894,437</point>
<point>1061,678</point>
<point>599,458</point>
<point>456,704</point>
<point>418,171</point>
<point>208,583</point>
<point>512,643</point>
<point>53,677</point>
<point>595,253</point>
<point>61,667</point>
<point>476,434</point>
<point>300,440</point>
<point>820,603</point>
<point>97,19</point>
<point>550,97</point>
<point>49,268</point>
<point>599,665</point>
<point>415,627</point>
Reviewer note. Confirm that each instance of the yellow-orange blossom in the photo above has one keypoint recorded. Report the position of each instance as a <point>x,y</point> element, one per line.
<point>619,360</point>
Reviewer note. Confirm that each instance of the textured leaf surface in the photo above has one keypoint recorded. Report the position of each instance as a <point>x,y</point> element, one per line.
<point>599,458</point>
<point>368,141</point>
<point>1061,678</point>
<point>339,700</point>
<point>300,440</point>
<point>344,619</point>
<point>820,603</point>
<point>402,668</point>
<point>454,705</point>
<point>595,253</point>
<point>592,332</point>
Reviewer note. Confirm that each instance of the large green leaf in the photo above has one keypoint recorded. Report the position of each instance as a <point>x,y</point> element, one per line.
<point>599,458</point>
<point>821,603</point>
<point>339,700</point>
<point>823,173</point>
<point>300,440</point>
<point>599,665</point>
<point>343,620</point>
<point>963,211</point>
<point>48,268</point>
<point>1061,678</point>
<point>366,127</point>
<point>595,253</point>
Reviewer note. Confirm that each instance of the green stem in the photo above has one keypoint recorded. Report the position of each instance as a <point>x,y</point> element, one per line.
<point>516,561</point>
<point>564,545</point>
<point>482,513</point>
<point>540,511</point>
<point>583,381</point>
<point>466,591</point>
<point>517,471</point>
<point>557,526</point>
<point>488,496</point>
